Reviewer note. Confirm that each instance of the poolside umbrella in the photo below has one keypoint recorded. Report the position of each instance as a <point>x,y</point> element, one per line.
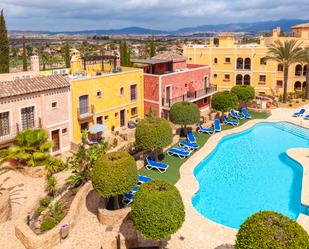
<point>97,128</point>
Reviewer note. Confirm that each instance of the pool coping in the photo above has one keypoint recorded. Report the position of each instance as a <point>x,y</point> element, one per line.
<point>196,225</point>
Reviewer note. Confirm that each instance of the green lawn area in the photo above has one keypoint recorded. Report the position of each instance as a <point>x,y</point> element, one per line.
<point>172,175</point>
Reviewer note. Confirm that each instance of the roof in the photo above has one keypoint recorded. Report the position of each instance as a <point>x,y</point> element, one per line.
<point>169,57</point>
<point>36,84</point>
<point>302,25</point>
<point>149,61</point>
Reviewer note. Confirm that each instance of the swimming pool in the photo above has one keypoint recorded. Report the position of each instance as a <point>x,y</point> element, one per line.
<point>250,171</point>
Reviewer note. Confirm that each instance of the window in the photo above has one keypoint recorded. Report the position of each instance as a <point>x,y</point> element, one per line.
<point>133,92</point>
<point>84,126</point>
<point>226,77</point>
<point>215,60</point>
<point>280,68</point>
<point>227,60</point>
<point>239,79</point>
<point>27,118</point>
<point>205,100</point>
<point>190,59</point>
<point>262,61</point>
<point>64,131</point>
<point>298,70</point>
<point>240,63</point>
<point>4,124</point>
<point>54,105</point>
<point>100,120</point>
<point>262,79</point>
<point>99,94</point>
<point>186,85</point>
<point>83,104</point>
<point>279,83</point>
<point>247,64</point>
<point>106,118</point>
<point>121,91</point>
<point>133,111</point>
<point>215,75</point>
<point>247,79</point>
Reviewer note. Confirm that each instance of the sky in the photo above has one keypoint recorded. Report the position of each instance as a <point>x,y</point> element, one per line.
<point>72,15</point>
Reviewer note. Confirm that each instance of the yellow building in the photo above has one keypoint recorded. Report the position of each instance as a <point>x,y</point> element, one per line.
<point>104,97</point>
<point>244,64</point>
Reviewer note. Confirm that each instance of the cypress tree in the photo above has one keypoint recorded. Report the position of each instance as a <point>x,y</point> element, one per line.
<point>4,46</point>
<point>25,67</point>
<point>67,57</point>
<point>152,47</point>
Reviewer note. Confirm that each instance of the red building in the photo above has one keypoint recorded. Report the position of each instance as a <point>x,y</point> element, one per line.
<point>168,79</point>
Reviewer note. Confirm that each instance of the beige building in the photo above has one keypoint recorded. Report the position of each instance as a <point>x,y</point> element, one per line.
<point>244,64</point>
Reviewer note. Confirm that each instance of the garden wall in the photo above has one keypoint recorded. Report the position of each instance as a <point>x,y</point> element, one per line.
<point>50,238</point>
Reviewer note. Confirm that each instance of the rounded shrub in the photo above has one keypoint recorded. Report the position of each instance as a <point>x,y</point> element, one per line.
<point>114,174</point>
<point>244,93</point>
<point>268,229</point>
<point>157,211</point>
<point>184,113</point>
<point>224,101</point>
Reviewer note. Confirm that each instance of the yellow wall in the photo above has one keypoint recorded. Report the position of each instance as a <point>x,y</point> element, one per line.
<point>111,102</point>
<point>203,54</point>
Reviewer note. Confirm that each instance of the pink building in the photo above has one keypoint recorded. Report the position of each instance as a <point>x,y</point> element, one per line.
<point>40,102</point>
<point>168,79</point>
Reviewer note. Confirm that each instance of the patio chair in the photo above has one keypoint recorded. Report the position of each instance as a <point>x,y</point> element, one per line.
<point>217,125</point>
<point>301,112</point>
<point>127,199</point>
<point>151,164</point>
<point>235,115</point>
<point>201,129</point>
<point>188,145</point>
<point>182,153</point>
<point>229,121</point>
<point>143,179</point>
<point>245,113</point>
<point>191,138</point>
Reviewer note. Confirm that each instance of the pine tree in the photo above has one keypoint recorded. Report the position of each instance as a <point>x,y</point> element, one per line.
<point>67,57</point>
<point>25,67</point>
<point>4,46</point>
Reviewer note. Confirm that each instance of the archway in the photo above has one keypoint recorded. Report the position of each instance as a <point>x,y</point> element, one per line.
<point>297,86</point>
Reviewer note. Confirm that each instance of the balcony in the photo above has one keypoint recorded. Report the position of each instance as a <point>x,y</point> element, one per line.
<point>7,136</point>
<point>190,96</point>
<point>85,112</point>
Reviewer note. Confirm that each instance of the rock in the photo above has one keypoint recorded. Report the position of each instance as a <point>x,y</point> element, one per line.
<point>140,164</point>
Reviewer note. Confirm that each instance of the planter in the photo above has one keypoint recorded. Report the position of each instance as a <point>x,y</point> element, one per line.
<point>35,172</point>
<point>5,205</point>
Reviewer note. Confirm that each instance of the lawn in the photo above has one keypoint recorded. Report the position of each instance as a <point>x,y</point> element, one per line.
<point>172,175</point>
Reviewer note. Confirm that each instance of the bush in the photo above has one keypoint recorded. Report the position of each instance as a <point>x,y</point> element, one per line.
<point>184,113</point>
<point>54,165</point>
<point>244,93</point>
<point>224,101</point>
<point>56,211</point>
<point>51,183</point>
<point>47,224</point>
<point>157,211</point>
<point>267,229</point>
<point>44,202</point>
<point>114,174</point>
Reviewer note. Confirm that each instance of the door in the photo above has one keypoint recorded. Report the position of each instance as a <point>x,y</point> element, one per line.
<point>55,135</point>
<point>83,104</point>
<point>122,118</point>
<point>168,95</point>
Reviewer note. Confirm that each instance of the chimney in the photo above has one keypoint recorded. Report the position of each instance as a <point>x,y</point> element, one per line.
<point>35,63</point>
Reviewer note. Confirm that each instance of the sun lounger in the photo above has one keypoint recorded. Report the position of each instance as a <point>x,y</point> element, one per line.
<point>188,145</point>
<point>143,179</point>
<point>229,121</point>
<point>180,152</point>
<point>235,115</point>
<point>245,113</point>
<point>301,112</point>
<point>191,138</point>
<point>151,164</point>
<point>217,125</point>
<point>127,199</point>
<point>202,129</point>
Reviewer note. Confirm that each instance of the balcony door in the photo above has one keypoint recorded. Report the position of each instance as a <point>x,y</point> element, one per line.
<point>168,94</point>
<point>27,118</point>
<point>55,135</point>
<point>122,118</point>
<point>83,104</point>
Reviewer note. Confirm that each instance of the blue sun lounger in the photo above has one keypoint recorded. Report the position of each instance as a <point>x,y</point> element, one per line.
<point>143,179</point>
<point>229,121</point>
<point>217,125</point>
<point>127,199</point>
<point>201,129</point>
<point>235,115</point>
<point>182,153</point>
<point>191,138</point>
<point>245,113</point>
<point>188,145</point>
<point>151,164</point>
<point>301,112</point>
<point>307,116</point>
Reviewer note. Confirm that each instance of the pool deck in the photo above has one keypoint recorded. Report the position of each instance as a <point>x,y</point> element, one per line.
<point>200,232</point>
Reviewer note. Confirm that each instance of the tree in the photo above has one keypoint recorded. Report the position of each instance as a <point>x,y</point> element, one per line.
<point>152,47</point>
<point>125,55</point>
<point>153,133</point>
<point>268,229</point>
<point>244,93</point>
<point>305,60</point>
<point>157,211</point>
<point>67,57</point>
<point>224,101</point>
<point>286,54</point>
<point>184,113</point>
<point>114,174</point>
<point>25,66</point>
<point>4,46</point>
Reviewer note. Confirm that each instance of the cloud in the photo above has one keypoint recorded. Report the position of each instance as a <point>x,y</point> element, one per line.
<point>160,14</point>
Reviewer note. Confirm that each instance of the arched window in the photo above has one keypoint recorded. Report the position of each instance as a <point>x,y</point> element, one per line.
<point>298,70</point>
<point>238,79</point>
<point>280,68</point>
<point>240,63</point>
<point>247,79</point>
<point>121,91</point>
<point>297,86</point>
<point>247,63</point>
<point>215,60</point>
<point>305,70</point>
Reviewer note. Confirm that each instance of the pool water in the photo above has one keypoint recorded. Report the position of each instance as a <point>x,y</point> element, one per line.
<point>250,171</point>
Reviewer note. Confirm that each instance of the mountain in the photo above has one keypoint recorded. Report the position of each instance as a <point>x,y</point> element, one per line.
<point>253,27</point>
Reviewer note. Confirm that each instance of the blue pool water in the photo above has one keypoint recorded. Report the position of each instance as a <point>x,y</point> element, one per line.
<point>250,171</point>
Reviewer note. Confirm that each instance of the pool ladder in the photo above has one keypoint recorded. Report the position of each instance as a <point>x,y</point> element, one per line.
<point>295,130</point>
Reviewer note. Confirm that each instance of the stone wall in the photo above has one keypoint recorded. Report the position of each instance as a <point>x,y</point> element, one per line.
<point>52,237</point>
<point>5,205</point>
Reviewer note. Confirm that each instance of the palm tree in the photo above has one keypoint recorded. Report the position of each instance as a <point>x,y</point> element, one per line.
<point>305,60</point>
<point>285,53</point>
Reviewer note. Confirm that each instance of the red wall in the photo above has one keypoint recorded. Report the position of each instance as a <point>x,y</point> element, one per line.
<point>179,65</point>
<point>151,87</point>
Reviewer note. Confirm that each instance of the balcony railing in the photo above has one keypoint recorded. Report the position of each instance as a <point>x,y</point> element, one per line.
<point>13,130</point>
<point>85,112</point>
<point>190,96</point>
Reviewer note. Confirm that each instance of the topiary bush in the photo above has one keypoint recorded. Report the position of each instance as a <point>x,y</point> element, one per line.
<point>184,113</point>
<point>224,101</point>
<point>157,210</point>
<point>153,133</point>
<point>244,93</point>
<point>268,229</point>
<point>114,174</point>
